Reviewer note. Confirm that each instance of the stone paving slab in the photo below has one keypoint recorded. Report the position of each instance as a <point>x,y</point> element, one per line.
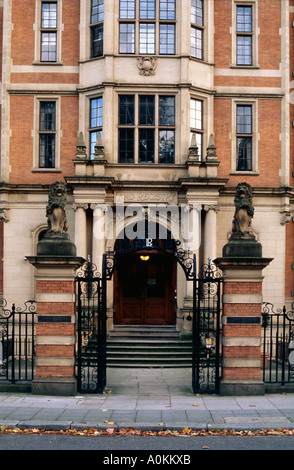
<point>153,399</point>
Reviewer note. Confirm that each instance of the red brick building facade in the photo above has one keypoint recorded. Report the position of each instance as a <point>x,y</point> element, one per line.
<point>221,67</point>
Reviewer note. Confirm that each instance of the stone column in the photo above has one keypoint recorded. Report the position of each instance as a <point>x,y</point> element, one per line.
<point>210,232</point>
<point>98,235</point>
<point>81,229</point>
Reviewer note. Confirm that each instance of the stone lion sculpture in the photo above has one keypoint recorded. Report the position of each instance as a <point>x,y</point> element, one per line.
<point>55,210</point>
<point>244,210</point>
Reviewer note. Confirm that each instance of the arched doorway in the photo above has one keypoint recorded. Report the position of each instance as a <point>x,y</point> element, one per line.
<point>145,279</point>
<point>144,289</point>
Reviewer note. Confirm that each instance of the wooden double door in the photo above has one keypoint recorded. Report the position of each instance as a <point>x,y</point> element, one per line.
<point>144,290</point>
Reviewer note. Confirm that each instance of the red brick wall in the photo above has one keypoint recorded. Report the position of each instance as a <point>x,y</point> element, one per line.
<point>269,40</point>
<point>25,9</point>
<point>21,148</point>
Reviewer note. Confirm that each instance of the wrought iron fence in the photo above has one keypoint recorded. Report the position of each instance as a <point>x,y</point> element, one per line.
<point>277,345</point>
<point>17,342</point>
<point>206,355</point>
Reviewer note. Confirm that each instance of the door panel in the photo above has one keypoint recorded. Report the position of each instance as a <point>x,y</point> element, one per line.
<point>144,290</point>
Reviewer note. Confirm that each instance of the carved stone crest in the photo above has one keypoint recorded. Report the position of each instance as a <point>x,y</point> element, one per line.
<point>147,65</point>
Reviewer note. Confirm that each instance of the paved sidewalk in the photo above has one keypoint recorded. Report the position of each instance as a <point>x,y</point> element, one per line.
<point>148,399</point>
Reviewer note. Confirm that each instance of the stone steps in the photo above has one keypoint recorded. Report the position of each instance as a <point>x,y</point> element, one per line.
<point>147,346</point>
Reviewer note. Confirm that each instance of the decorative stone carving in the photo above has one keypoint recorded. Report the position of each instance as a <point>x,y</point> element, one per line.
<point>56,241</point>
<point>99,148</point>
<point>147,196</point>
<point>211,150</point>
<point>211,207</point>
<point>55,210</point>
<point>147,65</point>
<point>243,243</point>
<point>78,205</point>
<point>81,147</point>
<point>244,211</point>
<point>4,215</point>
<point>193,150</point>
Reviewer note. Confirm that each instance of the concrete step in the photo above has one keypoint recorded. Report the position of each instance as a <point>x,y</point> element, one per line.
<point>147,346</point>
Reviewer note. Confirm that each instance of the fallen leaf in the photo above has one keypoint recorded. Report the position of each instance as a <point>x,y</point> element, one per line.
<point>110,430</point>
<point>195,405</point>
<point>205,447</point>
<point>109,422</point>
<point>252,406</point>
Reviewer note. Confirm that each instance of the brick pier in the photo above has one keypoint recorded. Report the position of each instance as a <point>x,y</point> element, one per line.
<point>55,329</point>
<point>241,329</point>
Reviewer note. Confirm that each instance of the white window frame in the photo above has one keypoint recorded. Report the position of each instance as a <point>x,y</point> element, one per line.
<point>203,30</point>
<point>38,31</point>
<point>255,137</point>
<point>254,35</point>
<point>194,130</point>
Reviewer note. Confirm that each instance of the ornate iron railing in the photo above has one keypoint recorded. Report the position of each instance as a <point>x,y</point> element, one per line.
<point>17,342</point>
<point>278,344</point>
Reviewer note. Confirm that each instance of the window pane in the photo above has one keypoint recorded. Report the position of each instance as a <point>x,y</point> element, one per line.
<point>127,9</point>
<point>196,43</point>
<point>93,140</point>
<point>97,41</point>
<point>96,112</point>
<point>244,19</point>
<point>197,12</point>
<point>146,110</point>
<point>49,15</point>
<point>146,146</point>
<point>244,50</point>
<point>244,153</point>
<point>167,9</point>
<point>48,47</point>
<point>126,110</point>
<point>166,111</point>
<point>195,114</point>
<point>167,39</point>
<point>127,38</point>
<point>97,11</point>
<point>244,120</point>
<point>147,38</point>
<point>47,151</point>
<point>147,9</point>
<point>126,145</point>
<point>47,116</point>
<point>166,146</point>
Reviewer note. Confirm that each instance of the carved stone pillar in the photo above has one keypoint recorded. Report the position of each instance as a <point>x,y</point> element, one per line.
<point>98,235</point>
<point>210,232</point>
<point>81,229</point>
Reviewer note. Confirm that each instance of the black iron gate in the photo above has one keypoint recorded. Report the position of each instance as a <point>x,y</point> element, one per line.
<point>17,342</point>
<point>91,307</point>
<point>206,352</point>
<point>91,331</point>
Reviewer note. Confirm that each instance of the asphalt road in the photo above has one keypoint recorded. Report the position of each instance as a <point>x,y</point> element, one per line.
<point>126,446</point>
